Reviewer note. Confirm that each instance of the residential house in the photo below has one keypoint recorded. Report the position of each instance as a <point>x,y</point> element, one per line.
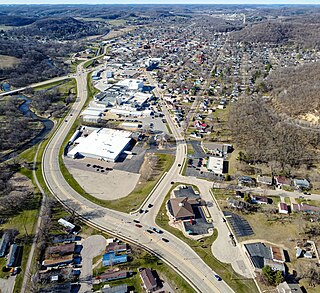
<point>306,208</point>
<point>116,289</point>
<point>246,181</point>
<point>113,274</point>
<point>63,238</point>
<point>288,288</point>
<point>5,240</point>
<point>12,255</point>
<point>282,181</point>
<point>261,255</point>
<point>61,249</point>
<point>283,208</point>
<point>116,247</point>
<point>302,184</point>
<point>259,199</point>
<point>58,261</point>
<point>112,258</point>
<point>266,180</point>
<point>148,280</point>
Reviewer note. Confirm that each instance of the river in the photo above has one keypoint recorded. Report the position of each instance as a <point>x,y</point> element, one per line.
<point>46,123</point>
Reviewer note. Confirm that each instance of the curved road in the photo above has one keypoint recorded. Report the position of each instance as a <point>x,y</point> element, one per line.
<point>175,252</point>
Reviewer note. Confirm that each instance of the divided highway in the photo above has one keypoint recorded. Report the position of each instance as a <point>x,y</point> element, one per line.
<point>175,252</point>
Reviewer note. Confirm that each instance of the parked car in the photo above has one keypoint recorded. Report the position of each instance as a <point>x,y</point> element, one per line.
<point>218,277</point>
<point>138,225</point>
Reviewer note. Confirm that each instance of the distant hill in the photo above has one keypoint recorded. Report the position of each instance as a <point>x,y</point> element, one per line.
<point>63,28</point>
<point>299,31</point>
<point>11,20</point>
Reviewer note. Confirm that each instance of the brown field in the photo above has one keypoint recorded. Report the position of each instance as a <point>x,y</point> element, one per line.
<point>8,61</point>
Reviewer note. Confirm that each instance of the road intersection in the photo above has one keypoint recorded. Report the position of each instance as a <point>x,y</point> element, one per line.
<point>193,268</point>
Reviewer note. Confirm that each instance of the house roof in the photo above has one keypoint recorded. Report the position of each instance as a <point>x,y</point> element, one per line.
<point>289,288</point>
<point>61,249</point>
<point>181,207</point>
<point>264,179</point>
<point>258,252</point>
<point>148,279</point>
<point>283,206</point>
<point>277,254</point>
<point>304,183</point>
<point>282,180</point>
<point>260,198</point>
<point>116,247</point>
<point>113,274</point>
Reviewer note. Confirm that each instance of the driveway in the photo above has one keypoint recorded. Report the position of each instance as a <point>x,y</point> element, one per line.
<point>7,285</point>
<point>91,247</point>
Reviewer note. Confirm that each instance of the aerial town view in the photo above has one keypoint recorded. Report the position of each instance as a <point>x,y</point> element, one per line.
<point>159,146</point>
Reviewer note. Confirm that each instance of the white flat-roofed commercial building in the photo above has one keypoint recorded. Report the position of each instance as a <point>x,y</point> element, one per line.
<point>132,84</point>
<point>104,143</point>
<point>215,165</point>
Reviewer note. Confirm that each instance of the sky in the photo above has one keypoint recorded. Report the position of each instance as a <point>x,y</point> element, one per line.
<point>159,1</point>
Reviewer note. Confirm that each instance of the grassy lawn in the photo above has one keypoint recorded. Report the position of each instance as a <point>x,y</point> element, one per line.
<point>203,249</point>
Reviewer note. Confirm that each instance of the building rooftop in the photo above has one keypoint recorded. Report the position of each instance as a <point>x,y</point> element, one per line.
<point>102,143</point>
<point>258,252</point>
<point>181,208</point>
<point>148,279</point>
<point>61,249</point>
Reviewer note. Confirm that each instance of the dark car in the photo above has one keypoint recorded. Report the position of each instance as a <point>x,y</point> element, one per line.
<point>165,239</point>
<point>218,277</point>
<point>136,221</point>
<point>138,225</point>
<point>156,230</point>
<point>150,205</point>
<point>149,231</point>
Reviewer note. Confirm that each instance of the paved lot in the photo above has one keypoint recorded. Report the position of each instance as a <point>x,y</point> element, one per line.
<point>200,226</point>
<point>103,185</point>
<point>240,226</point>
<point>132,163</point>
<point>198,151</point>
<point>92,246</point>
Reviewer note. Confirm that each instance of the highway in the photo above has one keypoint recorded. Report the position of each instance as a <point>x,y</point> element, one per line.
<point>36,85</point>
<point>176,252</point>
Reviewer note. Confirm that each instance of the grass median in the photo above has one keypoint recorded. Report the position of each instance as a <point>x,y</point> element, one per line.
<point>237,282</point>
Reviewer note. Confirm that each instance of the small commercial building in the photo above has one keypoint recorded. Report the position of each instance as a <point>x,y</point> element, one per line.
<point>216,165</point>
<point>104,144</point>
<point>181,208</point>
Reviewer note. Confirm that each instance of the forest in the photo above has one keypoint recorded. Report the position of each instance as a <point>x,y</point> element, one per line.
<point>295,90</point>
<point>266,138</point>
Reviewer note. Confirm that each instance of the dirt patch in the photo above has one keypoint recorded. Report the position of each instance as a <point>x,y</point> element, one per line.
<point>8,61</point>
